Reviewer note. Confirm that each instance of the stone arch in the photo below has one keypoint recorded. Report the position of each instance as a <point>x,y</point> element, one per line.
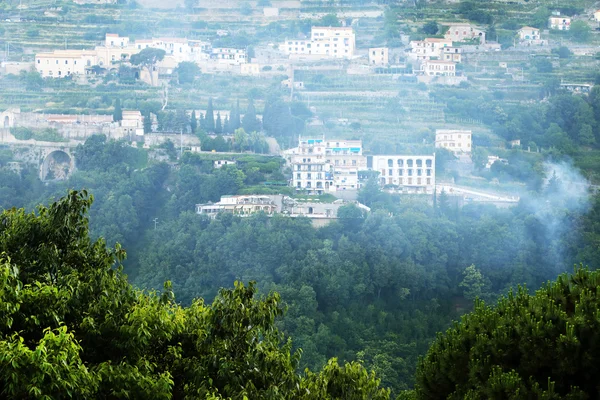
<point>57,165</point>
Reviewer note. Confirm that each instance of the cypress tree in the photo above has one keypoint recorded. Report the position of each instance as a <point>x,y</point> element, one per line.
<point>209,118</point>
<point>218,125</point>
<point>249,122</point>
<point>118,112</point>
<point>193,122</point>
<point>226,125</point>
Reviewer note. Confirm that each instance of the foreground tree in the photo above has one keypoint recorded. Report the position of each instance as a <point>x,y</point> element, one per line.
<point>542,346</point>
<point>72,326</point>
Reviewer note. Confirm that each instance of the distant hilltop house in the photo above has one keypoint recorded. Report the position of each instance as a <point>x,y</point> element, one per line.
<point>559,23</point>
<point>325,42</point>
<point>379,56</point>
<point>221,163</point>
<point>119,49</point>
<point>464,32</point>
<point>332,166</point>
<point>531,36</point>
<point>247,205</point>
<point>597,15</point>
<point>529,33</point>
<point>456,141</point>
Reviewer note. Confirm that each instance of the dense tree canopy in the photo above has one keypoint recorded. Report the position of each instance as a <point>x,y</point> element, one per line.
<point>542,346</point>
<point>72,326</point>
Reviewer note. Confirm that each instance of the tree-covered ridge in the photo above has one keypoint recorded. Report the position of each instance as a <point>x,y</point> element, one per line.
<point>541,346</point>
<point>71,326</point>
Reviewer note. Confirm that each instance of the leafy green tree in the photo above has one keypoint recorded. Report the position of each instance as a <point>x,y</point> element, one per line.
<point>187,72</point>
<point>72,325</point>
<point>528,346</point>
<point>147,58</point>
<point>580,31</point>
<point>480,157</point>
<point>118,111</point>
<point>474,284</point>
<point>329,20</point>
<point>430,28</point>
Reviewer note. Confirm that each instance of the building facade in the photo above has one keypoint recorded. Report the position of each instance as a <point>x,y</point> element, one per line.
<point>333,166</point>
<point>411,174</point>
<point>529,33</point>
<point>438,68</point>
<point>559,23</point>
<point>379,56</point>
<point>429,48</point>
<point>464,32</point>
<point>325,42</point>
<point>453,54</point>
<point>456,141</point>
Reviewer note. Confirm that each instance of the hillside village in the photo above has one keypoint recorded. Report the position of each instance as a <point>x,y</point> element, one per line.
<point>339,91</point>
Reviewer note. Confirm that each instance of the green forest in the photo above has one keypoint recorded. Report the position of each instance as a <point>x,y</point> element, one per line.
<point>373,289</point>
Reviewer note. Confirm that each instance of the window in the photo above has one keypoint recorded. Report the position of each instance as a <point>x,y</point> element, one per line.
<point>409,163</point>
<point>419,172</point>
<point>400,172</point>
<point>390,162</point>
<point>428,163</point>
<point>298,176</point>
<point>419,163</point>
<point>353,162</point>
<point>38,61</point>
<point>390,172</point>
<point>428,172</point>
<point>429,181</point>
<point>410,172</point>
<point>57,62</point>
<point>418,181</point>
<point>401,163</point>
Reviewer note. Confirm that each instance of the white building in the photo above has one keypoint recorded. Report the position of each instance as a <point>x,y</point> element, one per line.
<point>559,23</point>
<point>457,141</point>
<point>412,174</point>
<point>228,55</point>
<point>62,63</point>
<point>325,42</point>
<point>464,32</point>
<point>132,124</point>
<point>597,15</point>
<point>221,163</point>
<point>430,48</point>
<point>453,54</point>
<point>379,56</point>
<point>438,68</point>
<point>529,33</point>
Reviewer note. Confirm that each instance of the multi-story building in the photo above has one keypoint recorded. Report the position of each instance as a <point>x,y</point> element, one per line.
<point>453,54</point>
<point>228,55</point>
<point>464,32</point>
<point>429,48</point>
<point>325,42</point>
<point>438,68</point>
<point>412,174</point>
<point>342,160</point>
<point>559,23</point>
<point>63,63</point>
<point>379,56</point>
<point>457,141</point>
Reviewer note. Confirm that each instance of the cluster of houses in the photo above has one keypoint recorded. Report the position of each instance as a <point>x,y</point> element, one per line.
<point>118,49</point>
<point>339,166</point>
